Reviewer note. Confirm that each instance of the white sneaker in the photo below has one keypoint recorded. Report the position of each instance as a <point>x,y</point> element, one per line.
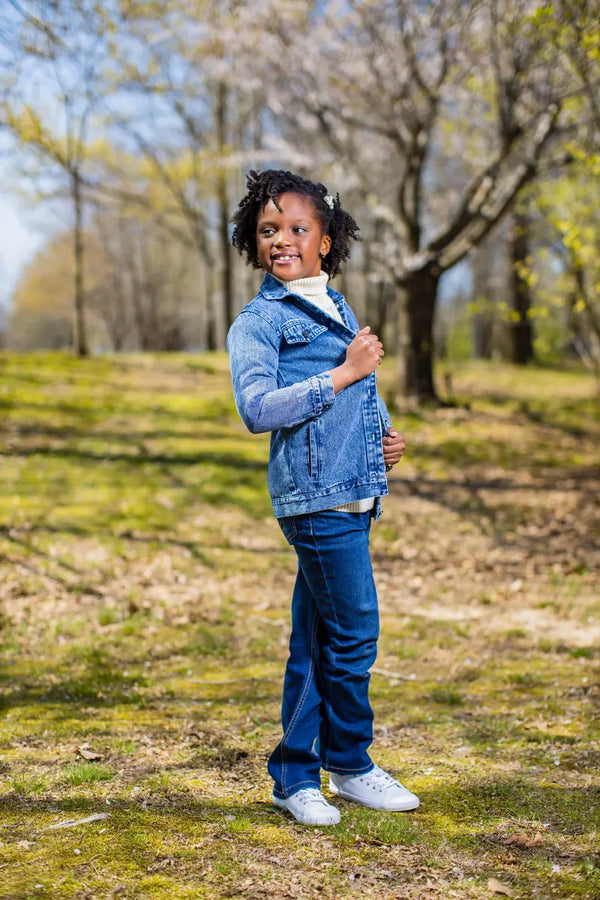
<point>309,807</point>
<point>376,789</point>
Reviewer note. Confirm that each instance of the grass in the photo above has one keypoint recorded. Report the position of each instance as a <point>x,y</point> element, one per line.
<point>85,773</point>
<point>145,595</point>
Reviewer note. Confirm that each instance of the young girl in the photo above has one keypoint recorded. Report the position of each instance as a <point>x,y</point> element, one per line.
<point>303,370</point>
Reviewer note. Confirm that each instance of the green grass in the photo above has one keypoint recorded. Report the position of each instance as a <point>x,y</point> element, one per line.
<point>85,773</point>
<point>145,610</point>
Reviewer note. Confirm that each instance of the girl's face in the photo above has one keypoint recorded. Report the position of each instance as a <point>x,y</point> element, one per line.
<point>290,243</point>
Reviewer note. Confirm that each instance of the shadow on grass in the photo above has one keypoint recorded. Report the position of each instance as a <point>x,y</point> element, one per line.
<point>482,806</point>
<point>228,460</point>
<point>101,682</point>
<point>213,410</point>
<point>14,536</point>
<point>465,498</point>
<point>255,812</point>
<point>474,814</point>
<point>65,696</point>
<point>72,432</point>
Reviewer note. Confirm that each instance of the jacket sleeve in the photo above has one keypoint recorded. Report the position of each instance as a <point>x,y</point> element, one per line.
<point>253,345</point>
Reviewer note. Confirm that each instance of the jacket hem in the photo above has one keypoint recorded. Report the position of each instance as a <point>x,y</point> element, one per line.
<point>298,507</point>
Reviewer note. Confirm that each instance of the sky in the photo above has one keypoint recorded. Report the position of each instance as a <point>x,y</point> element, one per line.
<point>19,240</point>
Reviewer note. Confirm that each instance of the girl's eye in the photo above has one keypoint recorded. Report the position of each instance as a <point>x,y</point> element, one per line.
<point>299,228</point>
<point>266,231</point>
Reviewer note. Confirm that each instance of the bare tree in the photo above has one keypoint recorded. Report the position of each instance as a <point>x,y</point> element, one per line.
<point>51,90</point>
<point>192,127</point>
<point>411,99</point>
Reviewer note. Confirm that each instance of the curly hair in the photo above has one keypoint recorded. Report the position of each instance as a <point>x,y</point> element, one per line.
<point>270,185</point>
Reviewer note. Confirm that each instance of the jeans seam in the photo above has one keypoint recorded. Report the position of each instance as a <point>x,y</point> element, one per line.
<point>300,703</point>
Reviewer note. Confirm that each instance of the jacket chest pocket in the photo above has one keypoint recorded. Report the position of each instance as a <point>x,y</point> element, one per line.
<point>300,331</point>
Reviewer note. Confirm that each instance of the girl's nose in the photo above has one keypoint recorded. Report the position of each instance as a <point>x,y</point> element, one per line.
<point>281,240</point>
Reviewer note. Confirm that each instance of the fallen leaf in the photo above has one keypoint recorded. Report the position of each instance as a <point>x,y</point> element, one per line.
<point>88,754</point>
<point>523,841</point>
<point>536,725</point>
<point>498,887</point>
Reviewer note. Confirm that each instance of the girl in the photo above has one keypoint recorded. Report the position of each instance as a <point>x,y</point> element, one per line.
<point>302,370</point>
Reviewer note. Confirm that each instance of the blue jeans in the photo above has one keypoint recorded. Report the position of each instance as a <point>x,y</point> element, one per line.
<point>326,715</point>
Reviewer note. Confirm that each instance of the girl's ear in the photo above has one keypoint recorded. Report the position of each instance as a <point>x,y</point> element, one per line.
<point>325,246</point>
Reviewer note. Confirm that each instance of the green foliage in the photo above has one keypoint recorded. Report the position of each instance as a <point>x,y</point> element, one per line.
<point>28,784</point>
<point>459,343</point>
<point>85,773</point>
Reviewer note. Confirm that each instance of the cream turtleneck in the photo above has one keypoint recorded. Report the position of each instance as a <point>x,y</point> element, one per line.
<point>315,290</point>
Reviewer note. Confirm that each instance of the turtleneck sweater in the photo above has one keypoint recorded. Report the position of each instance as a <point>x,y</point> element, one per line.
<point>314,289</point>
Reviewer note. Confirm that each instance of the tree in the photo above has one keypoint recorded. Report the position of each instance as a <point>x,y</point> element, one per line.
<point>41,315</point>
<point>564,273</point>
<point>52,89</point>
<point>491,270</point>
<point>410,98</point>
<point>193,127</point>
<point>520,291</point>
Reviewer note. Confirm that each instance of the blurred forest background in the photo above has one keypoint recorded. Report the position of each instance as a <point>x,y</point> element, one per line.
<point>463,137</point>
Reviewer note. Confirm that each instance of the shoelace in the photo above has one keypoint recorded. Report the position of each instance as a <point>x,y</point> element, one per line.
<point>378,779</point>
<point>311,795</point>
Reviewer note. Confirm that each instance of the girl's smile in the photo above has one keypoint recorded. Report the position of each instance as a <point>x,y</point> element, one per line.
<point>290,242</point>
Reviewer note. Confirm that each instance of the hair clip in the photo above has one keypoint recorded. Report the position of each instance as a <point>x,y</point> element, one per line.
<point>329,201</point>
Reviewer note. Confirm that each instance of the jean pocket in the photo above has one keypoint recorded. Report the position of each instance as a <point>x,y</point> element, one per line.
<point>288,526</point>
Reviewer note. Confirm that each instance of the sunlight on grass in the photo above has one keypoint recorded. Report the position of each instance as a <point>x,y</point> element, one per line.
<point>145,614</point>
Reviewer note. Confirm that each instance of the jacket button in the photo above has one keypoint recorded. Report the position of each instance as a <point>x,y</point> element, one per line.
<point>305,333</point>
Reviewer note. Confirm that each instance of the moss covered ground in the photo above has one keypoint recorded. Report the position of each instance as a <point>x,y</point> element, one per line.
<point>145,592</point>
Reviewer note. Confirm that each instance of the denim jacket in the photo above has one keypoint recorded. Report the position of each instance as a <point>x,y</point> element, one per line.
<point>326,448</point>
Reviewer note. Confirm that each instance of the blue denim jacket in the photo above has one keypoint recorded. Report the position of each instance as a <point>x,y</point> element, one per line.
<point>326,448</point>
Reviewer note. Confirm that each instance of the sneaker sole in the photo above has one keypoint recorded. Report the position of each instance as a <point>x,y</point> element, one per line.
<point>281,804</point>
<point>404,807</point>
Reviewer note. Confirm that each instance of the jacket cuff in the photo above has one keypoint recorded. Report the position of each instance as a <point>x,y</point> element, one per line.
<point>322,391</point>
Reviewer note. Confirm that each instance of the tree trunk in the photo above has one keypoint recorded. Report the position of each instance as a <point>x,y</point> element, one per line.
<point>204,248</point>
<point>223,201</point>
<point>482,330</point>
<point>210,321</point>
<point>415,346</point>
<point>522,332</point>
<point>489,266</point>
<point>80,336</point>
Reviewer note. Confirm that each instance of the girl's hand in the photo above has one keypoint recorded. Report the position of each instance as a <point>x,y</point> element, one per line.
<point>362,357</point>
<point>393,447</point>
<point>364,353</point>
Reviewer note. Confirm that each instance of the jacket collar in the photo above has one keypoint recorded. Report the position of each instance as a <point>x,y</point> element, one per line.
<point>272,289</point>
